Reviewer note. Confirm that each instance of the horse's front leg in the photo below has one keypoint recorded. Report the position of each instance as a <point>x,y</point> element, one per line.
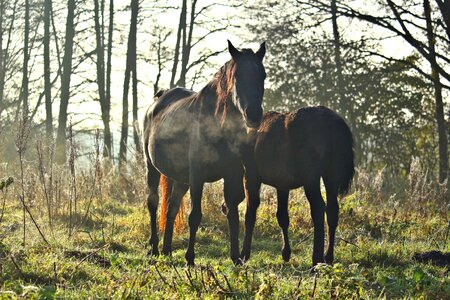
<point>234,194</point>
<point>283,221</point>
<point>195,216</point>
<point>252,186</point>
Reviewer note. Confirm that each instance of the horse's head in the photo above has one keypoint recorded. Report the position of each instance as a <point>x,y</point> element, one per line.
<point>248,83</point>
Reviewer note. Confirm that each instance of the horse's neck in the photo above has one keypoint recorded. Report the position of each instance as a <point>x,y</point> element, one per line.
<point>207,98</point>
<point>230,125</point>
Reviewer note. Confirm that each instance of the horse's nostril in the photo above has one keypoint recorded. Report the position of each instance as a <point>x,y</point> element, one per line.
<point>254,113</point>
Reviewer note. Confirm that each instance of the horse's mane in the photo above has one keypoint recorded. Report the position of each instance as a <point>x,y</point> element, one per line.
<point>225,84</point>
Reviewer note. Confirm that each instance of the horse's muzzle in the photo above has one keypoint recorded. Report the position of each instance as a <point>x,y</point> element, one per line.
<point>253,116</point>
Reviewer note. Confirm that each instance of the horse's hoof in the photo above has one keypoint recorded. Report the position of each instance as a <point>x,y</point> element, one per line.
<point>190,263</point>
<point>167,252</point>
<point>244,256</point>
<point>237,261</point>
<point>286,254</point>
<point>190,259</point>
<point>329,259</point>
<point>318,260</point>
<point>153,252</point>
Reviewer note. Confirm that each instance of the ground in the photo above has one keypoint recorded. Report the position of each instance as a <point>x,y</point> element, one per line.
<point>103,254</point>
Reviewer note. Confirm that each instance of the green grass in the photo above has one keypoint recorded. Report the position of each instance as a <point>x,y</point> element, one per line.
<point>106,256</point>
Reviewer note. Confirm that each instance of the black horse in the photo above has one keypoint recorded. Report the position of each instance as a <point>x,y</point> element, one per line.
<point>297,149</point>
<point>193,138</point>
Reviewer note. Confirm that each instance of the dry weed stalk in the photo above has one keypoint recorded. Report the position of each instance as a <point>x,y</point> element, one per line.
<point>4,189</point>
<point>97,181</point>
<point>22,135</point>
<point>422,189</point>
<point>371,184</point>
<point>73,182</point>
<point>46,175</point>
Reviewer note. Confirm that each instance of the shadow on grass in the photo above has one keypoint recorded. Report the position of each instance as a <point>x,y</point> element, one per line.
<point>91,257</point>
<point>78,220</point>
<point>111,208</point>
<point>382,258</point>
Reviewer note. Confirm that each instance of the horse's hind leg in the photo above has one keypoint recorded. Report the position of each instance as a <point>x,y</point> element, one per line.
<point>283,221</point>
<point>153,181</point>
<point>195,217</point>
<point>178,191</point>
<point>317,205</point>
<point>332,218</point>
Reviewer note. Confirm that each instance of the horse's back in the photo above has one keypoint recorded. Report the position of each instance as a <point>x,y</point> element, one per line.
<point>169,97</point>
<point>162,101</point>
<point>296,147</point>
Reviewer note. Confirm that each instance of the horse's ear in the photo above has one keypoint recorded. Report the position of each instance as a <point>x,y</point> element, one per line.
<point>261,51</point>
<point>233,51</point>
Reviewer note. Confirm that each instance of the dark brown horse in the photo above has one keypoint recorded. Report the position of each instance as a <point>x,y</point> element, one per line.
<point>192,138</point>
<point>296,149</point>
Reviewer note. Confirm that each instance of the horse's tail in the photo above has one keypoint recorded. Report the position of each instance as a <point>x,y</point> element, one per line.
<point>165,186</point>
<point>343,157</point>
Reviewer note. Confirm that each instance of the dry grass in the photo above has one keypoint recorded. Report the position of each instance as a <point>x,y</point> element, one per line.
<point>96,223</point>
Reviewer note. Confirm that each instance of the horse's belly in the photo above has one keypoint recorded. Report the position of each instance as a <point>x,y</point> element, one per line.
<point>275,165</point>
<point>172,160</point>
<point>170,147</point>
<point>278,177</point>
<point>169,150</point>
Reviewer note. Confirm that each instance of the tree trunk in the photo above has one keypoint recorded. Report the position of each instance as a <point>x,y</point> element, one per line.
<point>108,69</point>
<point>187,46</point>
<point>65,83</point>
<point>5,57</point>
<point>47,82</point>
<point>2,12</point>
<point>130,66</point>
<point>444,7</point>
<point>181,25</point>
<point>442,135</point>
<point>159,63</point>
<point>25,60</point>
<point>137,140</point>
<point>343,106</point>
<point>105,106</point>
<point>55,38</point>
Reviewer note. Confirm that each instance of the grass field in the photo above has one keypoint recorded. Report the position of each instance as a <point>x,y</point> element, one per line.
<point>99,249</point>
